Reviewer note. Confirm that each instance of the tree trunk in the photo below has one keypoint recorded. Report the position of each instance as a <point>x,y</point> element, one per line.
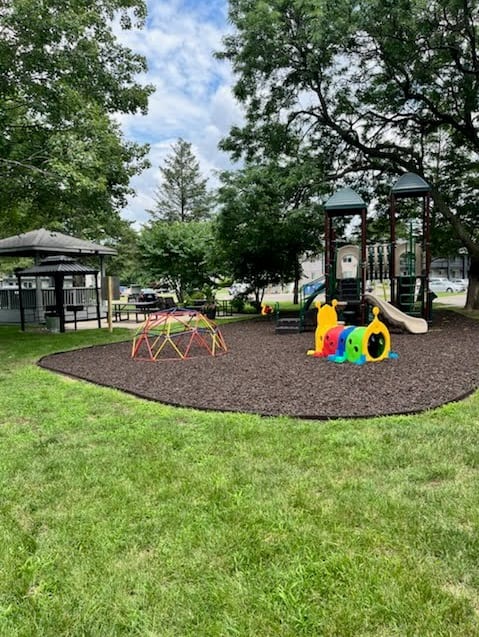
<point>179,293</point>
<point>472,301</point>
<point>298,270</point>
<point>258,298</point>
<point>297,277</point>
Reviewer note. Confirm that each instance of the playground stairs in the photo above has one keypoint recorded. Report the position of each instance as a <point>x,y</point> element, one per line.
<point>351,315</point>
<point>407,299</point>
<point>348,290</point>
<point>310,319</point>
<point>288,325</point>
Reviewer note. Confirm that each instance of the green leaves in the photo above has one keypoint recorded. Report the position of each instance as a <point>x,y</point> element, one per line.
<point>183,194</point>
<point>62,75</point>
<point>178,253</point>
<point>267,222</point>
<point>372,88</point>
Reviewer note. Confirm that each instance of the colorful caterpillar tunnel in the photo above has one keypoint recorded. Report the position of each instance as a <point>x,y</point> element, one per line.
<point>351,344</point>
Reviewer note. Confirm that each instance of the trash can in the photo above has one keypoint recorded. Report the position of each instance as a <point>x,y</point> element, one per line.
<point>52,322</point>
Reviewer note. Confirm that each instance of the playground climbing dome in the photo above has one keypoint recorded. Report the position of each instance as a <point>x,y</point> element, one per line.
<point>177,334</point>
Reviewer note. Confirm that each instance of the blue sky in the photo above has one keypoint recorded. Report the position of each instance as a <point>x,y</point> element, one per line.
<point>193,97</point>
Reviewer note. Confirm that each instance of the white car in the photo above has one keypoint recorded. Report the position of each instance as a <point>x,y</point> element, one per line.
<point>440,284</point>
<point>463,283</point>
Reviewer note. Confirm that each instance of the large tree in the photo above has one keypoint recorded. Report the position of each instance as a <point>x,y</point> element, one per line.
<point>183,194</point>
<point>179,254</point>
<point>63,75</point>
<point>391,85</point>
<point>268,221</point>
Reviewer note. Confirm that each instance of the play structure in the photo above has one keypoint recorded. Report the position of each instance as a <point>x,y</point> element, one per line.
<point>308,295</point>
<point>353,344</point>
<point>404,263</point>
<point>177,334</point>
<point>344,266</point>
<point>401,265</point>
<point>410,268</point>
<point>395,317</point>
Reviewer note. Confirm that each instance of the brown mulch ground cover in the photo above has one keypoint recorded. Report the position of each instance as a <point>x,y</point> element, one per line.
<point>270,374</point>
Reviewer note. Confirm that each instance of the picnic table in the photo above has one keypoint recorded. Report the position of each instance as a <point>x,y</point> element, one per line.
<point>125,310</point>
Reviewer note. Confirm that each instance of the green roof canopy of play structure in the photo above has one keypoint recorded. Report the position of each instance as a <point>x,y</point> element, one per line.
<point>345,200</point>
<point>410,185</point>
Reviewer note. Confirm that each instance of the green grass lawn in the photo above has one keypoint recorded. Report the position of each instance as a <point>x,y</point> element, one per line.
<point>125,517</point>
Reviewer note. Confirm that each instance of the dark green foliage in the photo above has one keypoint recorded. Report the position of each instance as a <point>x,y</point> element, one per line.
<point>126,264</point>
<point>381,87</point>
<point>63,161</point>
<point>267,222</point>
<point>178,253</point>
<point>182,195</point>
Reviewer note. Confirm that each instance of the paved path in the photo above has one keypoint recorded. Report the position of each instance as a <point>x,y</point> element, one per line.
<point>457,300</point>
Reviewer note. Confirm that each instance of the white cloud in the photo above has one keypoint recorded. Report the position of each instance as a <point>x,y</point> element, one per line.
<point>193,97</point>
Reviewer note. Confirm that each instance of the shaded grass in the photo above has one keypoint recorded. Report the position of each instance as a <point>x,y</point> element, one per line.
<point>288,306</point>
<point>124,517</point>
<point>472,314</point>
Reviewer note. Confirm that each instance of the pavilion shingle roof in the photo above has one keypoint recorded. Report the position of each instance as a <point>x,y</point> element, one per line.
<point>57,265</point>
<point>48,242</point>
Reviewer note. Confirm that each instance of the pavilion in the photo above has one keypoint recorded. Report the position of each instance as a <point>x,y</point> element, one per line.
<point>39,245</point>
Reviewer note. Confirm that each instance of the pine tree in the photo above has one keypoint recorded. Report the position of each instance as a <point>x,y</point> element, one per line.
<point>183,194</point>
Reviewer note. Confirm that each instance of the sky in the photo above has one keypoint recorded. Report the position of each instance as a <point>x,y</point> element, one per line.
<point>193,98</point>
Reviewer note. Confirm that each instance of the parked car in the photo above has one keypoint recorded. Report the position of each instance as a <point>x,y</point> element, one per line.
<point>440,284</point>
<point>147,295</point>
<point>462,282</point>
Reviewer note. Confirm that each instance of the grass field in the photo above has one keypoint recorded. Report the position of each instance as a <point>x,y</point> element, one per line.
<point>125,517</point>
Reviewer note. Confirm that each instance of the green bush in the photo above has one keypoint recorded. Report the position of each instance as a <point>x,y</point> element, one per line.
<point>195,295</point>
<point>237,304</point>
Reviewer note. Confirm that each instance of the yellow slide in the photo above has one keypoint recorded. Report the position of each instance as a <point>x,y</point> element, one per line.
<point>391,314</point>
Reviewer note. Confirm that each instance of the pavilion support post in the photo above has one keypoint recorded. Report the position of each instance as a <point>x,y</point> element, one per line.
<point>97,292</point>
<point>39,307</point>
<point>59,300</point>
<point>102,279</point>
<point>110,304</point>
<point>20,301</point>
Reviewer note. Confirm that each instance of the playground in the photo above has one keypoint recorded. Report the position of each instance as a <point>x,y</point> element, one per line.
<point>267,374</point>
<point>425,362</point>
